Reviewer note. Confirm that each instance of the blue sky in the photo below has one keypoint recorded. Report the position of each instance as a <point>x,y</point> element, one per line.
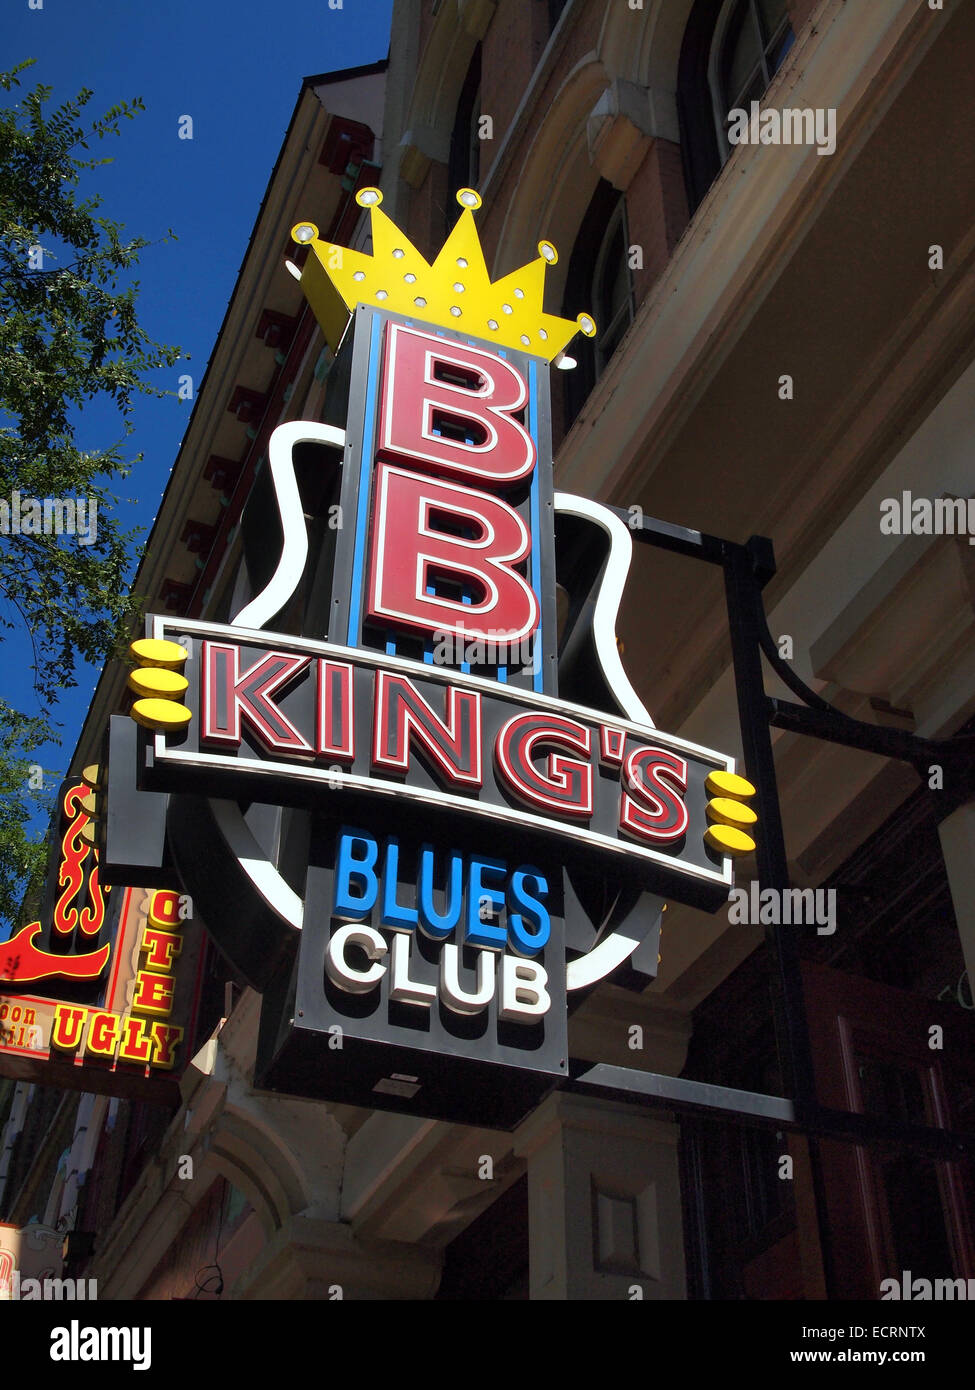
<point>235,66</point>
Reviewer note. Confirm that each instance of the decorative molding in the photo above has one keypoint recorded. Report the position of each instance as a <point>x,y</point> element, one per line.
<point>604,1201</point>
<point>620,131</point>
<point>277,329</point>
<point>223,473</point>
<point>311,1259</point>
<point>248,405</point>
<point>616,1239</point>
<point>476,15</point>
<point>420,147</point>
<point>903,630</point>
<point>198,536</point>
<point>175,594</point>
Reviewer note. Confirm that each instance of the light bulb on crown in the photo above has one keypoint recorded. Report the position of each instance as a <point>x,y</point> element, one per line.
<point>455,291</point>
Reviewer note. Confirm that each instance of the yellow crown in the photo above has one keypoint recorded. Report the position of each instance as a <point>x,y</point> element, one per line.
<point>454,292</point>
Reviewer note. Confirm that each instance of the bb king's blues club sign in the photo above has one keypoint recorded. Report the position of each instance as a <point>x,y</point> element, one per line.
<point>408,784</point>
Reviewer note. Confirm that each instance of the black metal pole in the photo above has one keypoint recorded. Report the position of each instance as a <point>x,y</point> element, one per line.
<point>746,570</point>
<point>743,594</point>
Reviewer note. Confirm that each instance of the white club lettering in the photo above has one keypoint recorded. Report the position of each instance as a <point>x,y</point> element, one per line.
<point>340,972</point>
<point>453,995</point>
<point>401,987</point>
<point>524,997</point>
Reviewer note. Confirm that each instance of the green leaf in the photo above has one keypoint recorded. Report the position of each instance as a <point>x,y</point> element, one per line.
<point>69,334</point>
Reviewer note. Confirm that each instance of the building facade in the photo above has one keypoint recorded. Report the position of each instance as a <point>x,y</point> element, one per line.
<point>767,206</point>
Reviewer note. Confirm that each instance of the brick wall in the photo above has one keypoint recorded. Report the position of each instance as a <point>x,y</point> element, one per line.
<point>657,207</point>
<point>513,44</point>
<point>582,39</point>
<point>426,223</point>
<point>656,210</point>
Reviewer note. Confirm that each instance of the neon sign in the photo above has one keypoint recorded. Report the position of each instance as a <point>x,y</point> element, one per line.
<point>433,808</point>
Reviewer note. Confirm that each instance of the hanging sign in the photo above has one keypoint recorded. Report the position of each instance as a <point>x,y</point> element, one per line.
<point>88,991</point>
<point>418,804</point>
<point>71,940</point>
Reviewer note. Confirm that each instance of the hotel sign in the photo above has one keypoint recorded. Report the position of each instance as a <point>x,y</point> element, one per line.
<point>71,939</point>
<point>415,804</point>
<point>90,997</point>
<point>124,1035</point>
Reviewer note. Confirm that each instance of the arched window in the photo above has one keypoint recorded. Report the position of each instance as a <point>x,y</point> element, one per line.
<point>464,161</point>
<point>598,283</point>
<point>730,52</point>
<point>555,8</point>
<point>750,41</point>
<point>612,290</point>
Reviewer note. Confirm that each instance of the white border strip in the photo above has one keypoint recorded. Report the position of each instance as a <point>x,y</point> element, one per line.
<point>608,598</point>
<point>294,545</point>
<point>597,963</point>
<point>279,896</point>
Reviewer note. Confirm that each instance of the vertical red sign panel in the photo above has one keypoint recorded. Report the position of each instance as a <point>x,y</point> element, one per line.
<point>444,555</point>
